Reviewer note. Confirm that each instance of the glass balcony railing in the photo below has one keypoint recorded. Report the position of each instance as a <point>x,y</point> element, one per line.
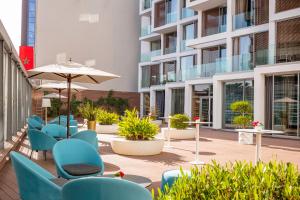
<point>145,30</point>
<point>243,20</point>
<point>214,30</point>
<point>170,50</point>
<point>171,18</point>
<point>147,4</point>
<point>183,46</point>
<point>146,57</point>
<point>187,12</point>
<point>169,77</point>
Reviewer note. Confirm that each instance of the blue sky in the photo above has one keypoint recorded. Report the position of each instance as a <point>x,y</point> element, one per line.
<point>10,15</point>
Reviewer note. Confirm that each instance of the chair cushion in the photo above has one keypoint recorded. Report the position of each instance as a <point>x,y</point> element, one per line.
<point>81,169</point>
<point>59,181</point>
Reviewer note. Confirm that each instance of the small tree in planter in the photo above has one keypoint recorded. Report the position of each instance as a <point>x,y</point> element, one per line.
<point>179,128</point>
<point>107,121</point>
<point>138,136</point>
<point>243,120</point>
<point>89,112</point>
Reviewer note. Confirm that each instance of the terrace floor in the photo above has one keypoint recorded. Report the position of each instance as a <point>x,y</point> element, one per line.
<point>214,145</point>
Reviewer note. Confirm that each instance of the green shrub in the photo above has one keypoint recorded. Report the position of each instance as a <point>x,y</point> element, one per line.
<point>88,111</point>
<point>177,121</point>
<point>134,128</point>
<point>244,111</point>
<point>241,180</point>
<point>107,118</point>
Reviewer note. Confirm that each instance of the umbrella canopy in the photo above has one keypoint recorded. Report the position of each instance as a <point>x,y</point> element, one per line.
<point>56,87</point>
<point>70,72</point>
<point>286,100</point>
<point>54,96</point>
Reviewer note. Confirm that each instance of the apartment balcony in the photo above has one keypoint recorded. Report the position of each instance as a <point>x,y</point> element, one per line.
<point>184,47</point>
<point>167,24</point>
<point>243,20</point>
<point>146,57</point>
<point>145,30</point>
<point>199,5</point>
<point>214,30</point>
<point>187,12</point>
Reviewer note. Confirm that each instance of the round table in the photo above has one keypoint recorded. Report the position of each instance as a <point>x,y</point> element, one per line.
<point>198,123</point>
<point>258,134</point>
<point>141,180</point>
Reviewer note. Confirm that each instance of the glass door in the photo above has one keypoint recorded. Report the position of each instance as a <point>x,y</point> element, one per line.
<point>160,103</point>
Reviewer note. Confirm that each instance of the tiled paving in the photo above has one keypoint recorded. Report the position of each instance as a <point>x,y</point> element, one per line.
<point>214,145</point>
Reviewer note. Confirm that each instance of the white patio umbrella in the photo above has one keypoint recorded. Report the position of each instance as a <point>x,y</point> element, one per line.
<point>70,72</point>
<point>59,87</point>
<point>54,96</point>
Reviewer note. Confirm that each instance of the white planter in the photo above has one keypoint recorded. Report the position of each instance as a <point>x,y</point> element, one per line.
<point>179,134</point>
<point>245,138</point>
<point>157,122</point>
<point>137,148</point>
<point>110,129</point>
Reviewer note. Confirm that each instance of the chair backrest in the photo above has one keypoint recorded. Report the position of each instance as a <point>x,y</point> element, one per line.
<point>89,136</point>
<point>34,124</point>
<point>55,130</point>
<point>104,189</point>
<point>37,118</point>
<point>39,140</point>
<point>75,151</point>
<point>33,181</point>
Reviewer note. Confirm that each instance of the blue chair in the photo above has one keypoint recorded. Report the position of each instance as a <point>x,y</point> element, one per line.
<point>34,124</point>
<point>40,141</point>
<point>55,130</point>
<point>38,118</point>
<point>104,189</point>
<point>169,177</point>
<point>75,158</point>
<point>34,182</point>
<point>89,136</point>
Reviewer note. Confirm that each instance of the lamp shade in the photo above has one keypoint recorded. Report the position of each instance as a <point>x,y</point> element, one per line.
<point>46,103</point>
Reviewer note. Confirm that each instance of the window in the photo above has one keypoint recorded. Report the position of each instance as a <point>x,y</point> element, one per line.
<point>214,21</point>
<point>283,5</point>
<point>213,60</point>
<point>169,72</point>
<point>170,43</point>
<point>188,67</point>
<point>177,101</point>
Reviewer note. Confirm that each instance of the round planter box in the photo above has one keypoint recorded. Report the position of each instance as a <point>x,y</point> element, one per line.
<point>245,138</point>
<point>110,129</point>
<point>137,148</point>
<point>157,122</point>
<point>179,134</point>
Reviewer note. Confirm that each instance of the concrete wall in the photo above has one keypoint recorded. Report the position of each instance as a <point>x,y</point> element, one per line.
<point>102,33</point>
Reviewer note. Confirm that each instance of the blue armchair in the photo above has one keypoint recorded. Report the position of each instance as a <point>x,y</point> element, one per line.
<point>55,130</point>
<point>34,124</point>
<point>75,158</point>
<point>37,118</point>
<point>89,136</point>
<point>40,141</point>
<point>104,189</point>
<point>34,182</point>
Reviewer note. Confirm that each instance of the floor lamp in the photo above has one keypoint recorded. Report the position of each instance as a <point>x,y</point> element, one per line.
<point>46,103</point>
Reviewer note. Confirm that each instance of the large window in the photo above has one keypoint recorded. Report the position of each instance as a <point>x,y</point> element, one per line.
<point>202,102</point>
<point>288,41</point>
<point>177,101</point>
<point>160,103</point>
<point>250,12</point>
<point>169,71</point>
<point>170,43</point>
<point>214,21</point>
<point>189,33</point>
<point>282,103</point>
<point>165,12</point>
<point>236,91</point>
<point>249,51</point>
<point>213,60</point>
<point>150,76</point>
<point>283,5</point>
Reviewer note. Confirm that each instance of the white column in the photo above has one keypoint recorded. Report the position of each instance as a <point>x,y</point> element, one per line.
<point>188,99</point>
<point>1,96</point>
<point>168,96</point>
<point>217,104</point>
<point>141,104</point>
<point>199,24</point>
<point>259,96</point>
<point>152,99</point>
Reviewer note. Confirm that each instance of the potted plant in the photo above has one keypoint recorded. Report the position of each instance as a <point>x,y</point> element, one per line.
<point>179,129</point>
<point>137,136</point>
<point>107,122</point>
<point>89,112</point>
<point>243,119</point>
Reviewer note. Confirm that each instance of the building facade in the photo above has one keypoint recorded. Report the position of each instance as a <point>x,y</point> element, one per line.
<point>98,33</point>
<point>199,56</point>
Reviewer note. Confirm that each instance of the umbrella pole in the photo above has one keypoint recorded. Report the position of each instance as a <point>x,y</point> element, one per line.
<point>69,106</point>
<point>59,92</point>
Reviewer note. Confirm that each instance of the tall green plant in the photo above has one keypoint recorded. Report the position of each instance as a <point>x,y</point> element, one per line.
<point>134,128</point>
<point>178,121</point>
<point>244,111</point>
<point>55,106</point>
<point>238,181</point>
<point>74,104</point>
<point>107,118</point>
<point>88,111</point>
